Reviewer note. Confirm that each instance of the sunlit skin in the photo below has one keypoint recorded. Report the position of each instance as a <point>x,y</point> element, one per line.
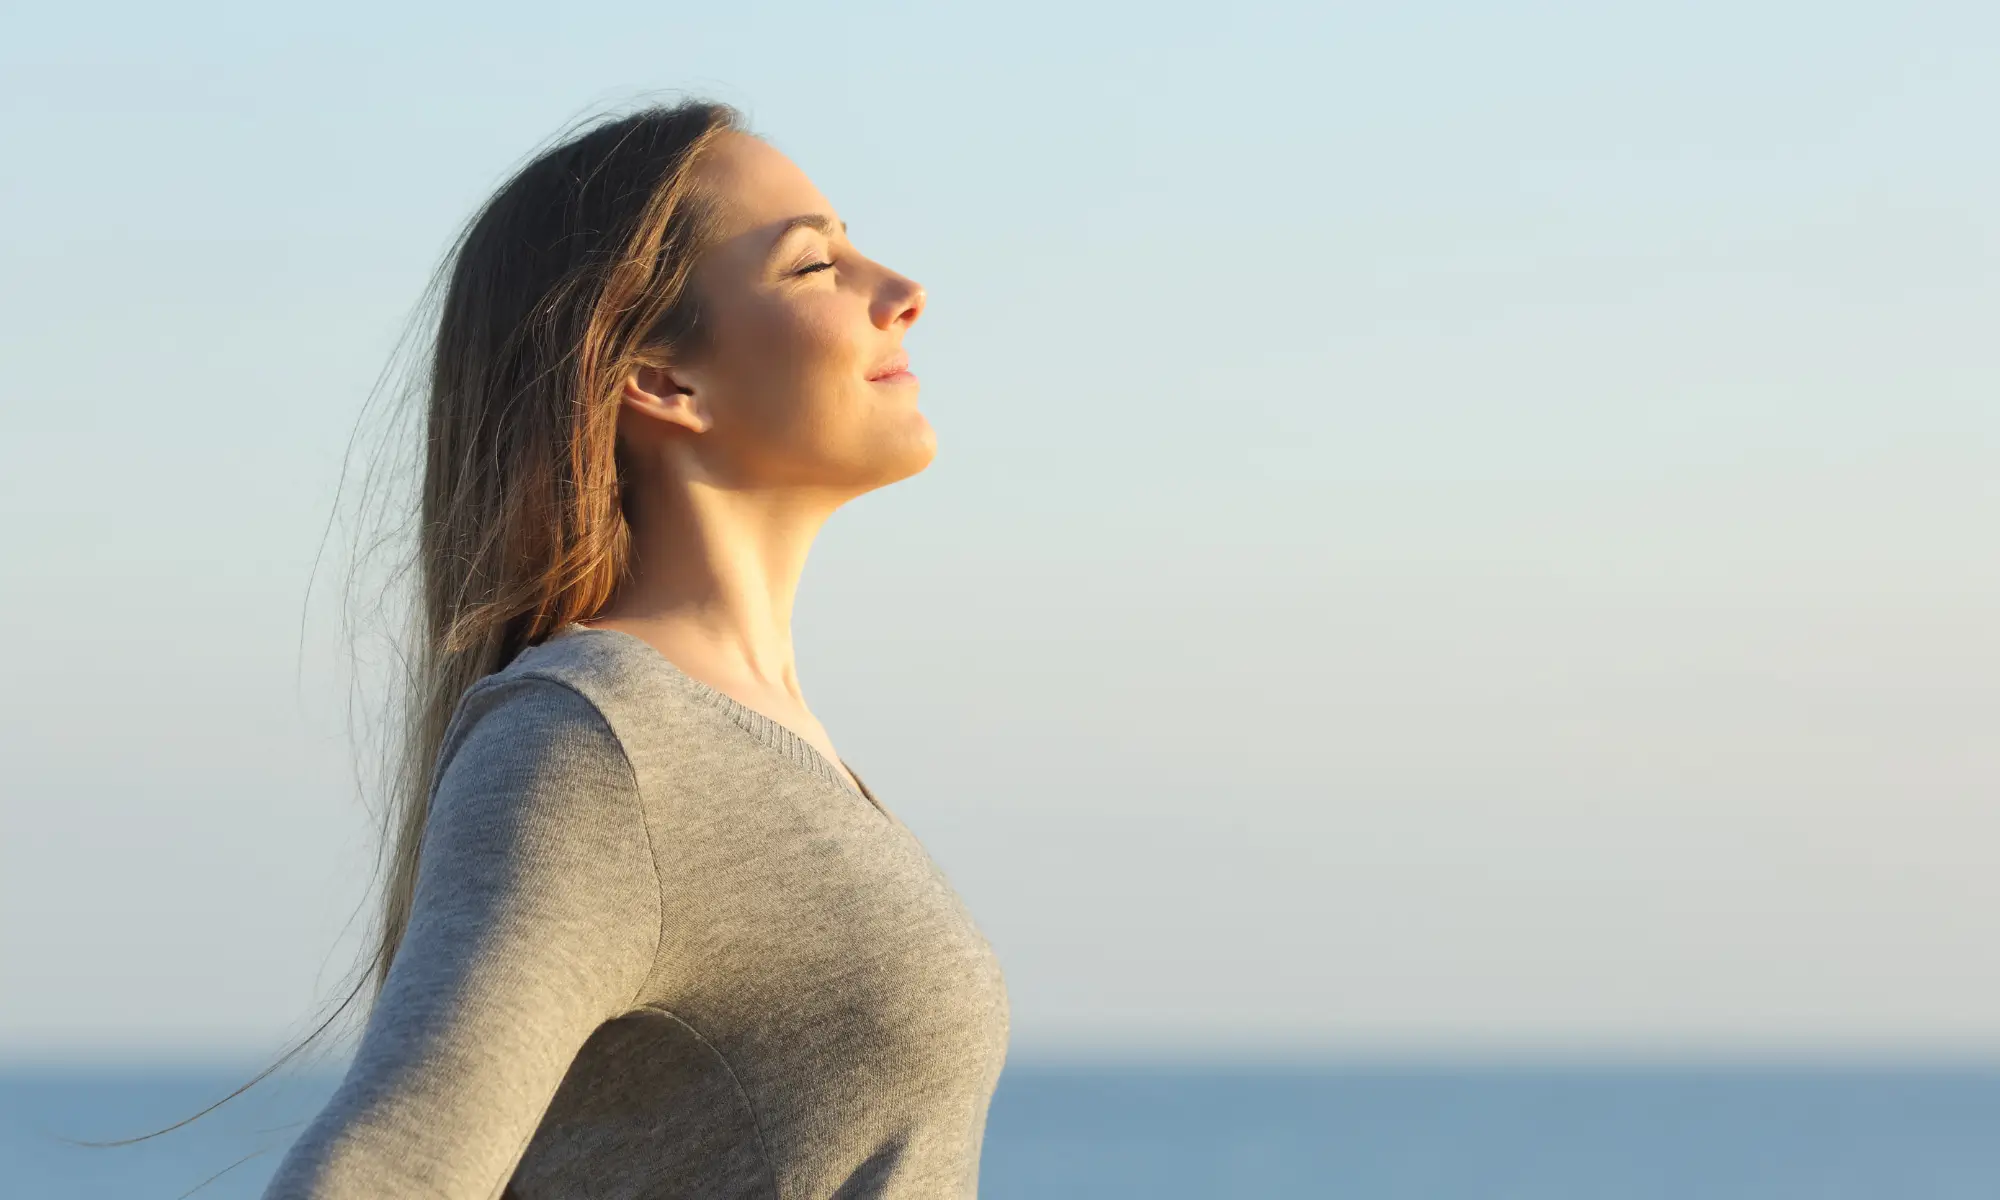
<point>736,461</point>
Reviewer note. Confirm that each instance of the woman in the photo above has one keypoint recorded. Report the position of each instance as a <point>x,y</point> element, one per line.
<point>647,934</point>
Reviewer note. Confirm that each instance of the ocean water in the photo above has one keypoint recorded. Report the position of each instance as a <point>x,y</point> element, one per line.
<point>1165,1133</point>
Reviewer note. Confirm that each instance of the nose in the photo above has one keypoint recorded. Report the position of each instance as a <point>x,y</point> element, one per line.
<point>903,301</point>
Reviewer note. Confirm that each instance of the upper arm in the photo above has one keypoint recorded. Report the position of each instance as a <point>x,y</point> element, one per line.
<point>535,919</point>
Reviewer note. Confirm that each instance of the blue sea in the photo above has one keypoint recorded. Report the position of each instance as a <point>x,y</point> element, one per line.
<point>1165,1133</point>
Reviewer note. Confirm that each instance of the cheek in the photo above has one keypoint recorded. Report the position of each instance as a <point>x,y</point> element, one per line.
<point>786,347</point>
<point>796,385</point>
<point>808,363</point>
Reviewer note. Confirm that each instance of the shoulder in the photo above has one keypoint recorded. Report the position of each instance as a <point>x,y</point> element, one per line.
<point>672,730</point>
<point>625,681</point>
<point>568,688</point>
<point>533,781</point>
<point>599,703</point>
<point>560,725</point>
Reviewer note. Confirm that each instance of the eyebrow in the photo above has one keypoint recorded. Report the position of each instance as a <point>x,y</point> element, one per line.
<point>819,221</point>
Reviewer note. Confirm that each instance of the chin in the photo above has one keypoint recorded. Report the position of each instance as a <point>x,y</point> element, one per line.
<point>919,453</point>
<point>904,451</point>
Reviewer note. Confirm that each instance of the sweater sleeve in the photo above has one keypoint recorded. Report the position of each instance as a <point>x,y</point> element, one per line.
<point>536,918</point>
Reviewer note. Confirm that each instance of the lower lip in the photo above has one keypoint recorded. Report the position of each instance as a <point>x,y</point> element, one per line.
<point>895,377</point>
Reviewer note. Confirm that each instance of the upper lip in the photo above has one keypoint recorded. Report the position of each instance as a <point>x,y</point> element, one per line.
<point>899,361</point>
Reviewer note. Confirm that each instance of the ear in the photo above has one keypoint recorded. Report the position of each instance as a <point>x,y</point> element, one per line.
<point>663,394</point>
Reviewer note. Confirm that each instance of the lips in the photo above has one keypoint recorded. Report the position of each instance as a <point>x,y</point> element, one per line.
<point>898,365</point>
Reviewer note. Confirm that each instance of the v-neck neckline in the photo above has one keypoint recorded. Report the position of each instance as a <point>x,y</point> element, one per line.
<point>772,733</point>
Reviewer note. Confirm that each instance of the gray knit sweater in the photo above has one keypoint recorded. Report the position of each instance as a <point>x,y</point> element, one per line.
<point>661,948</point>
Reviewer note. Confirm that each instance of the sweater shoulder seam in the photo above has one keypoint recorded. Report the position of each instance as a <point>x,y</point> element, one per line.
<point>638,799</point>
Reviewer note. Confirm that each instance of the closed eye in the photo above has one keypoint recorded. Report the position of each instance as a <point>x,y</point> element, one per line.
<point>814,267</point>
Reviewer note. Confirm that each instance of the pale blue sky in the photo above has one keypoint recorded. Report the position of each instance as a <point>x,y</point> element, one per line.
<point>1457,527</point>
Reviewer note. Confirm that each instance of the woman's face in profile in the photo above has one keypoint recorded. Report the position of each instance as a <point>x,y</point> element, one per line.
<point>800,323</point>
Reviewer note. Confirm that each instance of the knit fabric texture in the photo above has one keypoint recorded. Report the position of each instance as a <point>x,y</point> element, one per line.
<point>660,947</point>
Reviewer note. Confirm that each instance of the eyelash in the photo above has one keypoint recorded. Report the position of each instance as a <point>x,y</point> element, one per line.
<point>814,267</point>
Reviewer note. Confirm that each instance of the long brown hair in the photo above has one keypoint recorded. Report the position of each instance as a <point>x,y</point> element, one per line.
<point>574,274</point>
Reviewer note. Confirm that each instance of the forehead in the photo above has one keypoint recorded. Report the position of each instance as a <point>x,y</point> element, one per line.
<point>759,187</point>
